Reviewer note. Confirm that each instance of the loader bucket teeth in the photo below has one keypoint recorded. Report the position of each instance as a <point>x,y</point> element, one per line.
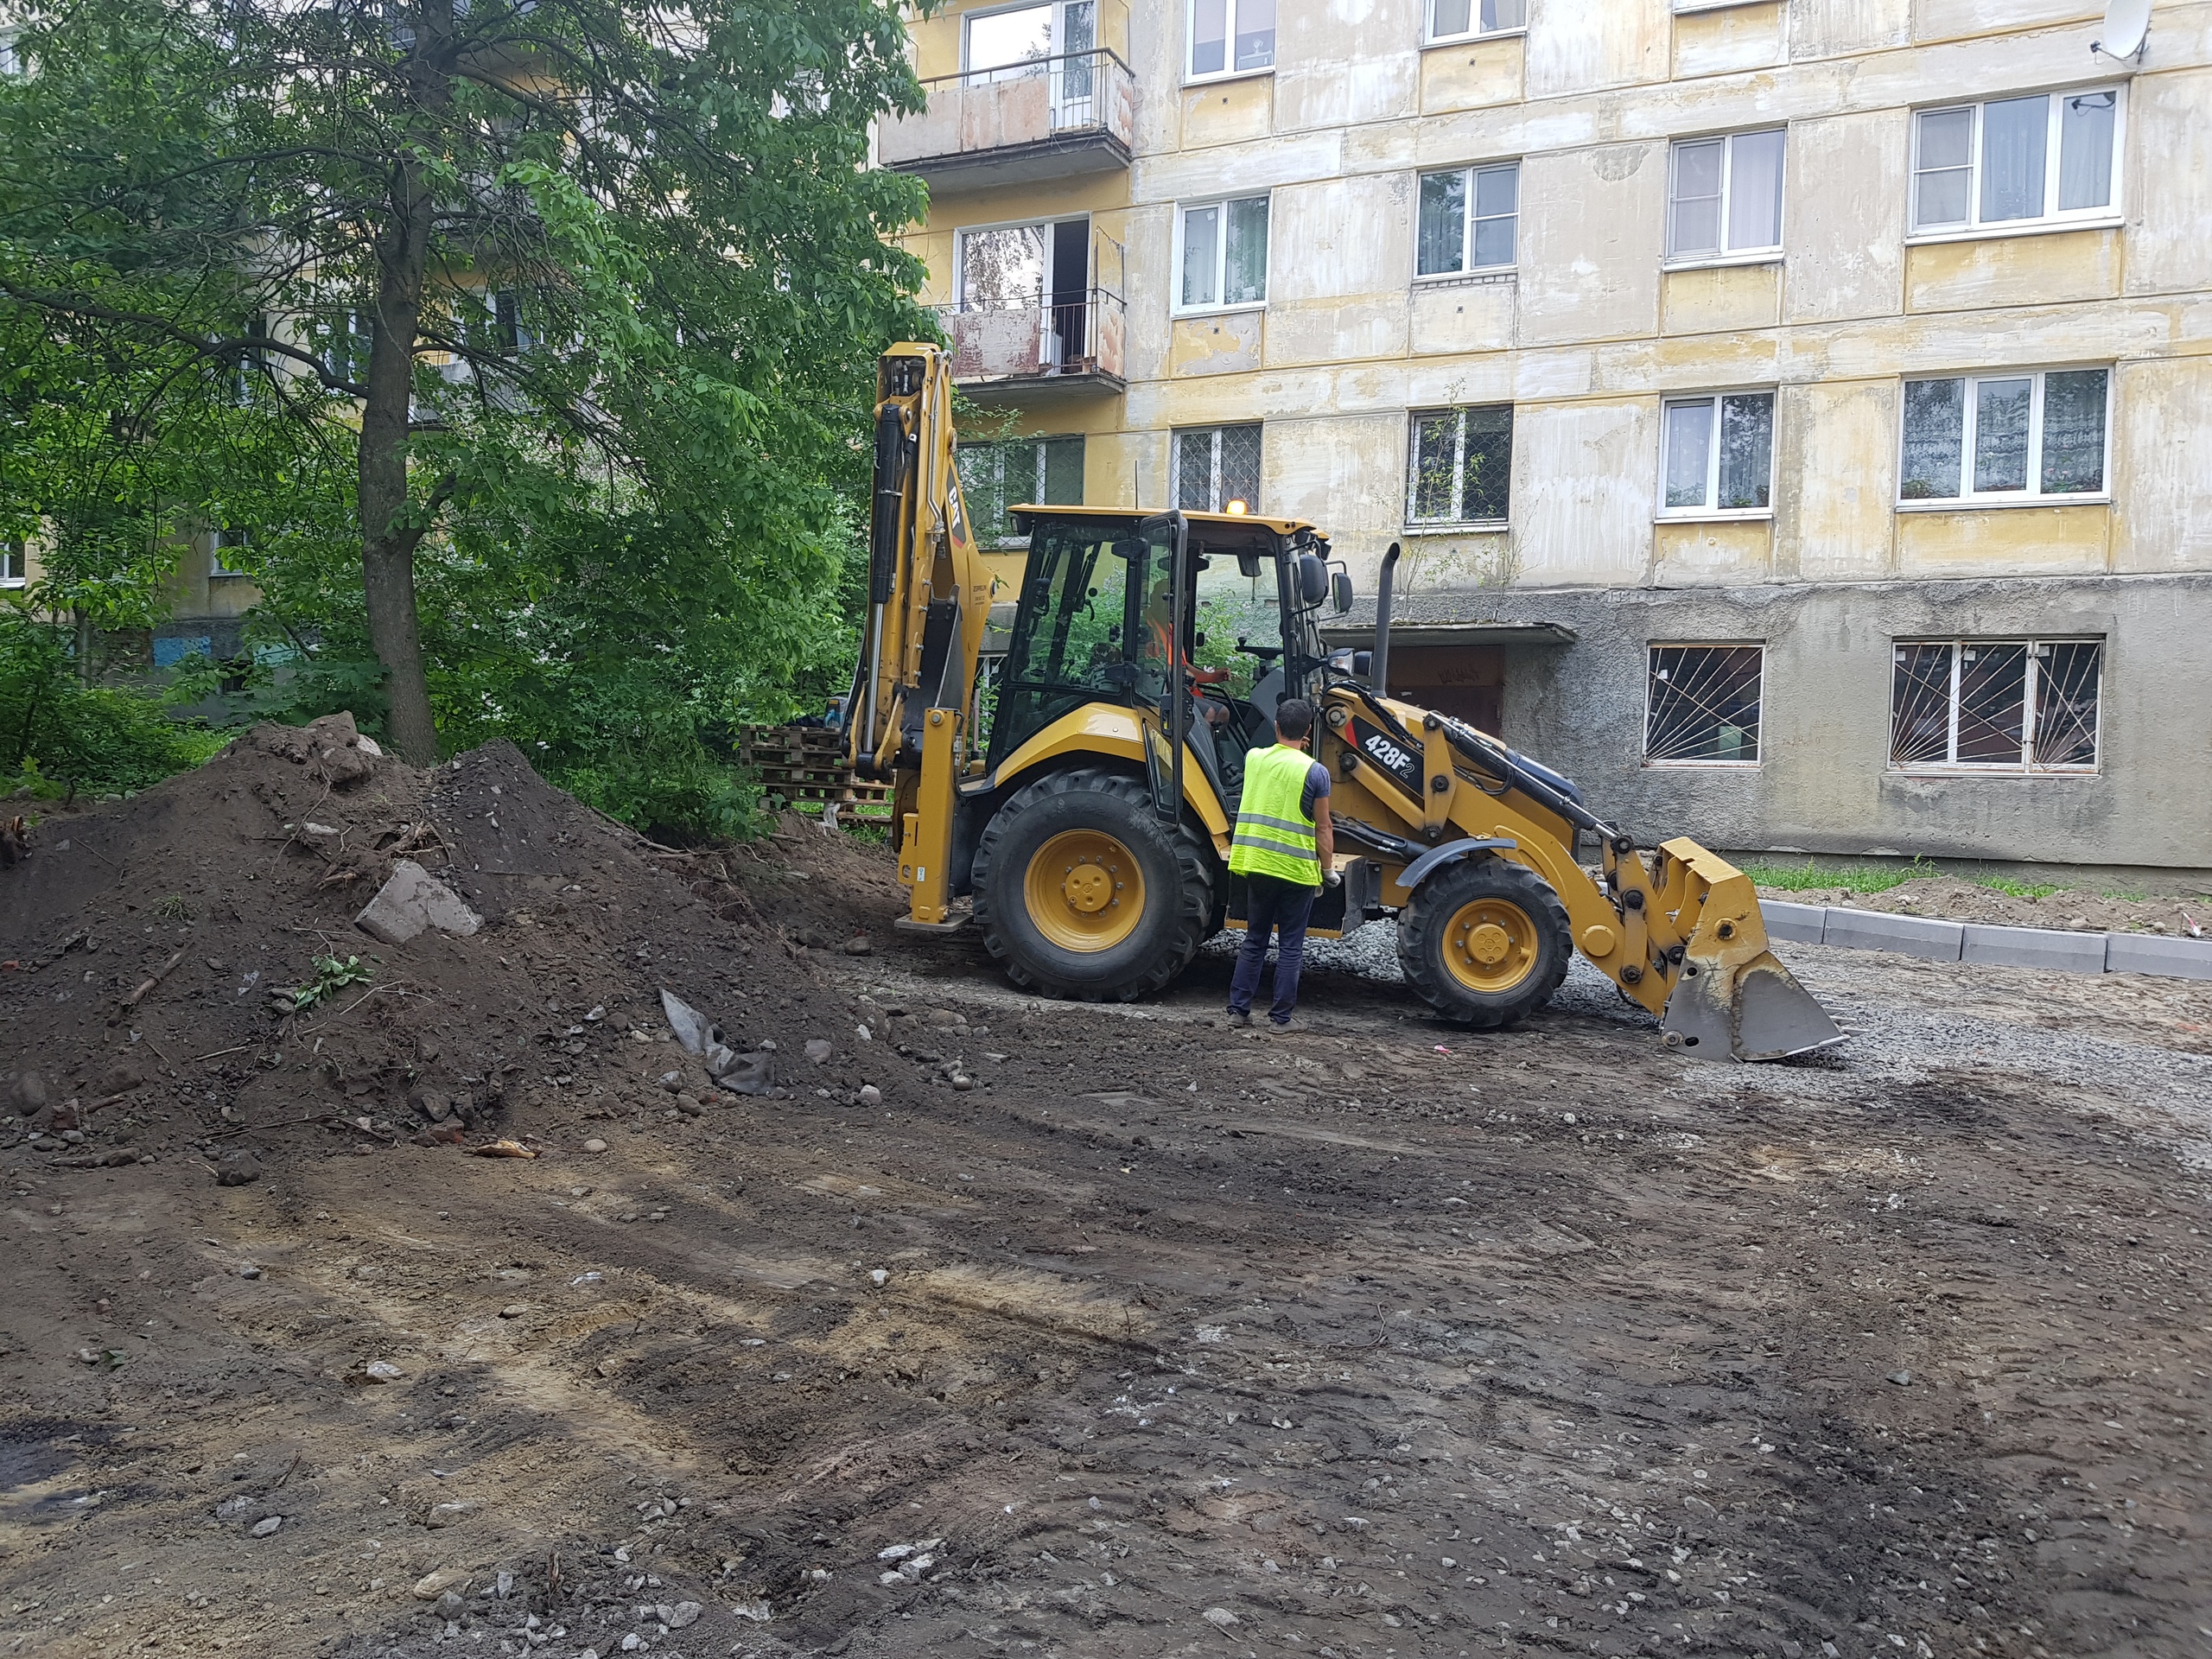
<point>1734,1001</point>
<point>1755,1012</point>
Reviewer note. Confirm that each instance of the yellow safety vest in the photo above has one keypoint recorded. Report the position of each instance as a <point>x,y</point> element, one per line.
<point>1273,835</point>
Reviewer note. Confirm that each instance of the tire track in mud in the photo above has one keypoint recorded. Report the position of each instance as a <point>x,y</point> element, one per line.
<point>1550,1343</point>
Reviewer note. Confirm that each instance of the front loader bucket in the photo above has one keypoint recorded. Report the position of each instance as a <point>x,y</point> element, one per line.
<point>1734,1000</point>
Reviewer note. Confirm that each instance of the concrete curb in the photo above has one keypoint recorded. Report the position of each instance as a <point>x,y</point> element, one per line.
<point>1933,939</point>
<point>1909,935</point>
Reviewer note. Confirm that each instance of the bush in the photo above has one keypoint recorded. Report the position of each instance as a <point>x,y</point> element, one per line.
<point>58,735</point>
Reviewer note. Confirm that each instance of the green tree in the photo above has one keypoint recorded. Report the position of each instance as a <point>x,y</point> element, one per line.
<point>585,293</point>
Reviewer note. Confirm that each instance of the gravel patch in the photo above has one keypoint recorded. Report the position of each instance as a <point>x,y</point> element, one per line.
<point>1897,1039</point>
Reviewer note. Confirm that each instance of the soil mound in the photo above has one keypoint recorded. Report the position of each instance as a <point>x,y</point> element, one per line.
<point>176,972</point>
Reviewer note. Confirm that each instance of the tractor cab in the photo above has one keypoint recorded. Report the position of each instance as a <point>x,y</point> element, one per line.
<point>1107,613</point>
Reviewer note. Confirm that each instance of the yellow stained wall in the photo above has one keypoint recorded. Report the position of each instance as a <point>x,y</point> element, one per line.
<point>1591,331</point>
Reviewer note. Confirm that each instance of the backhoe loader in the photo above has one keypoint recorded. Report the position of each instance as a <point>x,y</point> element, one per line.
<point>1084,801</point>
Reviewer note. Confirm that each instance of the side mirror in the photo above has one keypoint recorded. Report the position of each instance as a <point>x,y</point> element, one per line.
<point>1312,579</point>
<point>1198,640</point>
<point>1340,589</point>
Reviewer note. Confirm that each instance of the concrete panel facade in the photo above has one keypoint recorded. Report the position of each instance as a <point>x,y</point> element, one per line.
<point>1824,782</point>
<point>1593,324</point>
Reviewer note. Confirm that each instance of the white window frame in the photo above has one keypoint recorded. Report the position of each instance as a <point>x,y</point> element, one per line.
<point>2051,220</point>
<point>1769,255</point>
<point>1758,737</point>
<point>1414,418</point>
<point>1474,31</point>
<point>217,570</point>
<point>1228,71</point>
<point>1467,222</point>
<point>1046,224</point>
<point>2033,495</point>
<point>2026,764</point>
<point>1183,211</point>
<point>1712,399</point>
<point>14,563</point>
<point>970,75</point>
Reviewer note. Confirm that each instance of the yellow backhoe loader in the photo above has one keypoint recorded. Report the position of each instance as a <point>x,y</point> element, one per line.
<point>1084,799</point>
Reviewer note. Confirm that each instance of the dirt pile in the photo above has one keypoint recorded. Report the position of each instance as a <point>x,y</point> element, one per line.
<point>1953,899</point>
<point>180,979</point>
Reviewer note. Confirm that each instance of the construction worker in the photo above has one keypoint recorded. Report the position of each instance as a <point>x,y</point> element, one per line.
<point>1284,843</point>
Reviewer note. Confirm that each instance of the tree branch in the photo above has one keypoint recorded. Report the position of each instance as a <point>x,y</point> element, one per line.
<point>220,351</point>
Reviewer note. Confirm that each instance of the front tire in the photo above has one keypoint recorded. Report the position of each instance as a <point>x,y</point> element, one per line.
<point>1484,942</point>
<point>1082,891</point>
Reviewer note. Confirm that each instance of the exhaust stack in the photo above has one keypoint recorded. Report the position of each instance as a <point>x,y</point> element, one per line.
<point>1378,672</point>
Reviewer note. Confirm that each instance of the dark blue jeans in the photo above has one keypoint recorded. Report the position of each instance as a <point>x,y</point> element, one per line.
<point>1279,907</point>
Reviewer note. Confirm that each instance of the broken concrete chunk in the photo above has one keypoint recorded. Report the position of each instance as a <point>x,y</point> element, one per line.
<point>412,901</point>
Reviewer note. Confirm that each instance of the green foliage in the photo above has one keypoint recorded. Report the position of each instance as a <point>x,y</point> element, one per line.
<point>640,477</point>
<point>2017,889</point>
<point>59,735</point>
<point>331,976</point>
<point>1851,878</point>
<point>1222,620</point>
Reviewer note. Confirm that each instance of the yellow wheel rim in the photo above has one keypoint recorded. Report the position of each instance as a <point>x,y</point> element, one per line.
<point>1490,945</point>
<point>1085,891</point>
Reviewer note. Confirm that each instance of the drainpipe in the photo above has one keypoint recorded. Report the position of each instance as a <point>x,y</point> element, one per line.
<point>1378,673</point>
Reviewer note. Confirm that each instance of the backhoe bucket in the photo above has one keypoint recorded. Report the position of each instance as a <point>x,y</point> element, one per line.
<point>1734,1000</point>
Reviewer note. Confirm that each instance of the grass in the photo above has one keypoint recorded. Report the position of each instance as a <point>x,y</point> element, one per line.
<point>1852,878</point>
<point>2005,885</point>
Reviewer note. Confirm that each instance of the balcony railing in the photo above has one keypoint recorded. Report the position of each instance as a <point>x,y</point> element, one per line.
<point>1046,118</point>
<point>1071,344</point>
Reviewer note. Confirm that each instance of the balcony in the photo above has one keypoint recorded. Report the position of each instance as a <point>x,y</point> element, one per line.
<point>1053,117</point>
<point>1069,346</point>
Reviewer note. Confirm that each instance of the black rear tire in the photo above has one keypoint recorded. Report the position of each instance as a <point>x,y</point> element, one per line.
<point>1175,863</point>
<point>1484,979</point>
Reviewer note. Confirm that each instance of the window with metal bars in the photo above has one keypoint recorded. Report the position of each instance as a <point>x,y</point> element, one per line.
<point>1462,466</point>
<point>1216,465</point>
<point>2009,705</point>
<point>1701,705</point>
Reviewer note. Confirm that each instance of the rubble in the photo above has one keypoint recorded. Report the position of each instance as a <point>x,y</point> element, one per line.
<point>412,901</point>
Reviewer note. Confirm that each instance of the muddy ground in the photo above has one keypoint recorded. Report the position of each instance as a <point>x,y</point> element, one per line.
<point>1380,1339</point>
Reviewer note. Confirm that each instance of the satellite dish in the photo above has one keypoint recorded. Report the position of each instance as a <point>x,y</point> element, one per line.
<point>2126,22</point>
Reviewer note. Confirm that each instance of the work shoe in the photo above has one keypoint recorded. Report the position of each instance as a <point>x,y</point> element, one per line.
<point>1240,1021</point>
<point>1292,1024</point>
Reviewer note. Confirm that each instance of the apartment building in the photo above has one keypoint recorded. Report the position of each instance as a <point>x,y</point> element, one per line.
<point>1794,413</point>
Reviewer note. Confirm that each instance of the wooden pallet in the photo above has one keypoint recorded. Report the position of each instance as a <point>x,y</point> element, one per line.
<point>807,763</point>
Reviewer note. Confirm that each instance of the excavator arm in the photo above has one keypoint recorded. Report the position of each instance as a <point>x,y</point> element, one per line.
<point>907,720</point>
